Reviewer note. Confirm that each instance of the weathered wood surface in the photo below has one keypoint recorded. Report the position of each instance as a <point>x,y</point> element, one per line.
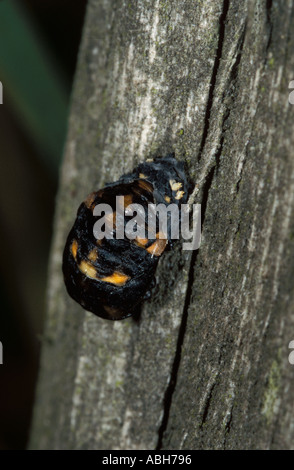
<point>207,365</point>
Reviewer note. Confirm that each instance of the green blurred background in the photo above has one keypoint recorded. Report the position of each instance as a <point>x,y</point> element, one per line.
<point>39,43</point>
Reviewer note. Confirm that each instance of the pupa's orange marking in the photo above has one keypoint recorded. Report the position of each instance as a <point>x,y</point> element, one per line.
<point>89,200</point>
<point>158,247</point>
<point>119,279</point>
<point>145,185</point>
<point>179,195</point>
<point>128,199</point>
<point>74,249</point>
<point>110,220</point>
<point>93,255</point>
<point>174,185</point>
<point>141,241</point>
<point>88,269</point>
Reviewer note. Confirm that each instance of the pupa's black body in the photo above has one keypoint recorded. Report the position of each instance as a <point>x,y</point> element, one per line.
<point>111,277</point>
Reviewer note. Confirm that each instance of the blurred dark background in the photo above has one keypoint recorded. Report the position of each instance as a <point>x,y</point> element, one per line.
<point>39,43</point>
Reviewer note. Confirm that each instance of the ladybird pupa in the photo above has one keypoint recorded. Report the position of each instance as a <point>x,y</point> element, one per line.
<point>110,277</point>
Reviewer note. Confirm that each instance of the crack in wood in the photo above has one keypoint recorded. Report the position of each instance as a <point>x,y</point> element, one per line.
<point>177,359</point>
<point>207,405</point>
<point>269,4</point>
<point>216,65</point>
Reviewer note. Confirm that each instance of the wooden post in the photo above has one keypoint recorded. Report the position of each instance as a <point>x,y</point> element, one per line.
<point>206,367</point>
